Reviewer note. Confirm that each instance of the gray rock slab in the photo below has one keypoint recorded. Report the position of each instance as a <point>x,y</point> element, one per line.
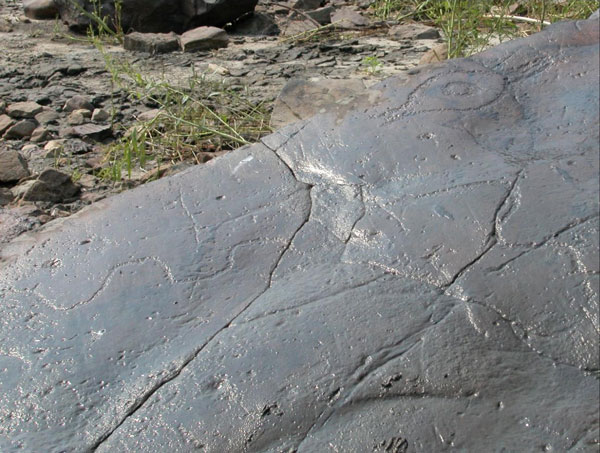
<point>26,109</point>
<point>413,31</point>
<point>152,43</point>
<point>348,18</point>
<point>203,38</point>
<point>21,129</point>
<point>13,166</point>
<point>418,275</point>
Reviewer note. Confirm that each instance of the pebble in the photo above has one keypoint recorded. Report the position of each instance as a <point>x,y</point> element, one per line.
<point>23,109</point>
<point>100,115</point>
<point>13,167</point>
<point>47,116</point>
<point>78,102</point>
<point>21,129</point>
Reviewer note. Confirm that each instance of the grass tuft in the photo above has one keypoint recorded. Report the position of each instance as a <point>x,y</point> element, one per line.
<point>470,26</point>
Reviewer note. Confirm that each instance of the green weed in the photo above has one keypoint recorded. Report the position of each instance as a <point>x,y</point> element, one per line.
<point>372,64</point>
<point>200,115</point>
<point>469,26</point>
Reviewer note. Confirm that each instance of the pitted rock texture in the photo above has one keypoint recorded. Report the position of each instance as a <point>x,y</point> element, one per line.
<point>421,275</point>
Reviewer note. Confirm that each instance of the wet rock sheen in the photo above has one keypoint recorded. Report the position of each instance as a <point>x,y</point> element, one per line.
<point>416,275</point>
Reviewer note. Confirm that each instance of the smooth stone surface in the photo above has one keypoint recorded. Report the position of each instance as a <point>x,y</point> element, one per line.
<point>420,276</point>
<point>203,38</point>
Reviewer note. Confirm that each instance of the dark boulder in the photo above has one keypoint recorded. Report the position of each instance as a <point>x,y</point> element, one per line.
<point>155,16</point>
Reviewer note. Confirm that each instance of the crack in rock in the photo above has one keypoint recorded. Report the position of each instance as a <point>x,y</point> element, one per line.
<point>139,402</point>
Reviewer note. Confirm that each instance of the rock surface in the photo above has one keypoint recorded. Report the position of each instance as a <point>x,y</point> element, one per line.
<point>203,38</point>
<point>12,167</point>
<point>419,276</point>
<point>152,43</point>
<point>157,16</point>
<point>302,99</point>
<point>41,64</point>
<point>40,9</point>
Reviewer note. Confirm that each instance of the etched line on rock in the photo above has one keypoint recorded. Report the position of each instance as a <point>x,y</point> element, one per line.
<point>288,165</point>
<point>363,371</point>
<point>191,217</point>
<point>139,402</point>
<point>107,280</point>
<point>314,300</point>
<point>492,238</point>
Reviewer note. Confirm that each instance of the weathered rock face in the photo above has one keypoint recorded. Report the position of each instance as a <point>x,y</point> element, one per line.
<point>158,15</point>
<point>419,276</point>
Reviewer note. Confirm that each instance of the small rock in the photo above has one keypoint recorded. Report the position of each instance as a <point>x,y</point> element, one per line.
<point>91,130</point>
<point>307,5</point>
<point>78,102</point>
<point>88,181</point>
<point>79,116</point>
<point>203,38</point>
<point>149,115</point>
<point>55,145</point>
<point>13,166</point>
<point>6,196</point>
<point>40,9</point>
<point>52,185</point>
<point>100,115</point>
<point>26,109</point>
<point>414,31</point>
<point>40,134</point>
<point>5,122</point>
<point>437,53</point>
<point>47,116</point>
<point>21,129</point>
<point>322,15</point>
<point>152,43</point>
<point>29,150</point>
<point>349,19</point>
<point>256,24</point>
